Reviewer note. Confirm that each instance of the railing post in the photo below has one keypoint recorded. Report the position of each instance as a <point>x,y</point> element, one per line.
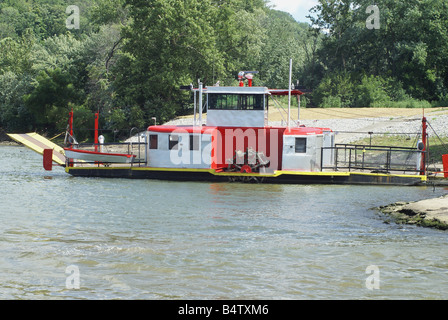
<point>363,159</point>
<point>350,160</point>
<point>388,159</point>
<point>336,159</point>
<point>321,159</point>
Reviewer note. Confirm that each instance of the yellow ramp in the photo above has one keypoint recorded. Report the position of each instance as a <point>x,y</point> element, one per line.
<point>38,143</point>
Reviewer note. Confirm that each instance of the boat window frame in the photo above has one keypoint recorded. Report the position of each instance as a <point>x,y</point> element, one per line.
<point>194,142</point>
<point>153,141</point>
<point>236,101</point>
<point>300,148</point>
<point>173,142</point>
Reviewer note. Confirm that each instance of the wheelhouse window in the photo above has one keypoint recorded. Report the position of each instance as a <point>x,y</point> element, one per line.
<point>194,142</point>
<point>173,143</point>
<point>153,141</point>
<point>300,146</point>
<point>219,101</point>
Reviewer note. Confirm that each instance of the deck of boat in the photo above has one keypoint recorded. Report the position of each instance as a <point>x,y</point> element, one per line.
<point>280,176</point>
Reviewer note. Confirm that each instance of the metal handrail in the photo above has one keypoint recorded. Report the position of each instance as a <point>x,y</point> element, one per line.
<point>354,163</point>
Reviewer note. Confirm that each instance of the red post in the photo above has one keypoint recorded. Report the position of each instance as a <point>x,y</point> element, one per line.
<point>249,78</point>
<point>96,131</point>
<point>70,131</point>
<point>70,122</point>
<point>445,165</point>
<point>48,159</point>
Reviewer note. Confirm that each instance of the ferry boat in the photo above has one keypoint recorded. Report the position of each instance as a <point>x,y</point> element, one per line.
<point>236,143</point>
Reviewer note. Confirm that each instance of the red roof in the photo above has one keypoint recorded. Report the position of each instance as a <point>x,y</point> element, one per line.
<point>181,129</point>
<point>209,130</point>
<point>284,92</point>
<point>305,131</point>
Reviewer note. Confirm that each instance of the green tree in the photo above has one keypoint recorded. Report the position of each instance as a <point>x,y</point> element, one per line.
<point>14,115</point>
<point>15,55</point>
<point>335,87</point>
<point>50,100</point>
<point>370,91</point>
<point>169,43</point>
<point>410,45</point>
<point>285,39</point>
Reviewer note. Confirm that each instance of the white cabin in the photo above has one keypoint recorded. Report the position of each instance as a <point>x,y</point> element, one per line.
<point>237,121</point>
<point>237,106</point>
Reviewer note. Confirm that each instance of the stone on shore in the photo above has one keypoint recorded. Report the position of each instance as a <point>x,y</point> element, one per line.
<point>427,213</point>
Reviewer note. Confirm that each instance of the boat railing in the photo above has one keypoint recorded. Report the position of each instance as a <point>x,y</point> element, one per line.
<point>377,159</point>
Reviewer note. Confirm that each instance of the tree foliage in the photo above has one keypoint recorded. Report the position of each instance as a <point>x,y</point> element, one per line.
<point>410,45</point>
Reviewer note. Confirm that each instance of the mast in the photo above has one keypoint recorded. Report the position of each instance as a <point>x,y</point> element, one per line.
<point>70,123</point>
<point>194,108</point>
<point>200,103</point>
<point>298,107</point>
<point>96,131</point>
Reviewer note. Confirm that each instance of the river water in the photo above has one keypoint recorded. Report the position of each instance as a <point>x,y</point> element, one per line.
<point>64,237</point>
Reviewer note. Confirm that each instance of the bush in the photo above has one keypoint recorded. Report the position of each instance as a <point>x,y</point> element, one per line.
<point>335,90</point>
<point>442,102</point>
<point>408,103</point>
<point>341,90</point>
<point>351,90</point>
<point>369,91</point>
<point>83,122</point>
<point>331,102</point>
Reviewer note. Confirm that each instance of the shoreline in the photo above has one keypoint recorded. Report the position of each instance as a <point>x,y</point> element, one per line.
<point>8,143</point>
<point>432,213</point>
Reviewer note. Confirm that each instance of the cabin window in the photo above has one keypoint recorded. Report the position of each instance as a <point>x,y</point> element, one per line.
<point>153,141</point>
<point>194,142</point>
<point>218,101</point>
<point>300,145</point>
<point>173,142</point>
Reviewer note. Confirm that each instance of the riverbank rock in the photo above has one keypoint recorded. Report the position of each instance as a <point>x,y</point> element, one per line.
<point>426,213</point>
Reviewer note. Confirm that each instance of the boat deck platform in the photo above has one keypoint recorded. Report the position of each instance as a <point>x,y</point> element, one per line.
<point>280,176</point>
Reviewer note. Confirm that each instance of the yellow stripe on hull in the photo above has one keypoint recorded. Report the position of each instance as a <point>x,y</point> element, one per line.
<point>330,174</point>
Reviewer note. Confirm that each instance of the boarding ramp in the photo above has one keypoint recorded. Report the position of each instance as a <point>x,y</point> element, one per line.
<point>37,143</point>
